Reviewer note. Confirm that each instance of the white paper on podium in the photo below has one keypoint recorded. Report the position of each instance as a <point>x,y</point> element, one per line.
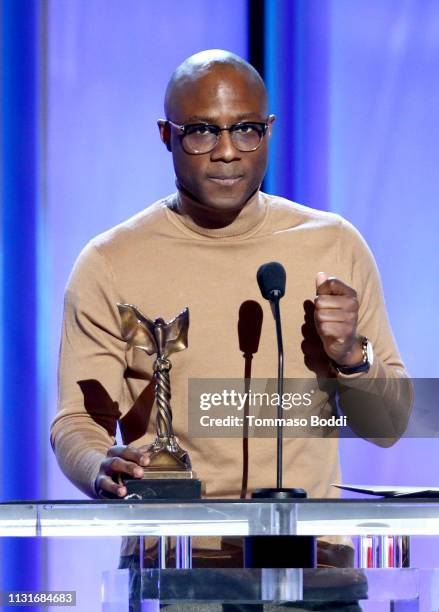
<point>389,491</point>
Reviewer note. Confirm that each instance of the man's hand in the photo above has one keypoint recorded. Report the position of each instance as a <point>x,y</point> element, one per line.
<point>336,316</point>
<point>120,460</point>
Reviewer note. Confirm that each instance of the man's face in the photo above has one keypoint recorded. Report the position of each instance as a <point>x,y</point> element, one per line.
<point>225,178</point>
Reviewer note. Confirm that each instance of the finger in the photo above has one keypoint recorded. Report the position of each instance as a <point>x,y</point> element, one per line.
<point>321,277</point>
<point>338,332</point>
<point>107,485</point>
<point>334,286</point>
<point>117,465</point>
<point>341,302</point>
<point>336,315</point>
<point>137,455</point>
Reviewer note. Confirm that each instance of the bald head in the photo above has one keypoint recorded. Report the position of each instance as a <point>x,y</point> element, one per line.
<point>212,63</point>
<point>217,93</point>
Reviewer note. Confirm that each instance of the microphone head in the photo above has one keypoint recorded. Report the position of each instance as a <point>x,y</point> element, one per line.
<point>271,280</point>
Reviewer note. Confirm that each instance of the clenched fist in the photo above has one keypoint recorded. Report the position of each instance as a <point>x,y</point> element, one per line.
<point>336,316</point>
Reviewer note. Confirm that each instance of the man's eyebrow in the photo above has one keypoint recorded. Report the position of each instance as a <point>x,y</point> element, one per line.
<point>213,121</point>
<point>198,118</point>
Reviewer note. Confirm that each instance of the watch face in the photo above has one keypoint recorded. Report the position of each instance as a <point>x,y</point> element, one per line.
<point>369,351</point>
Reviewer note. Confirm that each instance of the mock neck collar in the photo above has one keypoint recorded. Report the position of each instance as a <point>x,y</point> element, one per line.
<point>248,220</point>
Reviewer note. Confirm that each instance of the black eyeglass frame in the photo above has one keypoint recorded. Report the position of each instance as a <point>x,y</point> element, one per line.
<point>217,131</point>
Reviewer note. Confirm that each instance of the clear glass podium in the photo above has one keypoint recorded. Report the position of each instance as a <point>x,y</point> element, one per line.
<point>376,521</point>
<point>210,589</point>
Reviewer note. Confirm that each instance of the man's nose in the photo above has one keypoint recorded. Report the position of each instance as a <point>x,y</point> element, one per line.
<point>225,150</point>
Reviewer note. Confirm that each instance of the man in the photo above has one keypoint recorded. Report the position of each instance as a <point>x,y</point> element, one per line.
<point>201,248</point>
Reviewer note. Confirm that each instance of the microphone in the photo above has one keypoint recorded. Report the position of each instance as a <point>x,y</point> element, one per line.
<point>271,279</point>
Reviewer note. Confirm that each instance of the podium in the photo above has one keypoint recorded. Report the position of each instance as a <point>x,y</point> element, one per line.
<point>370,520</point>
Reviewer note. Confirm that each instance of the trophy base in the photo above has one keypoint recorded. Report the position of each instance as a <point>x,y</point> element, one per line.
<point>157,474</point>
<point>173,485</point>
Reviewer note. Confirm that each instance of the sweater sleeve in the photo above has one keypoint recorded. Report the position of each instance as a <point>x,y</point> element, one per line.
<point>377,403</point>
<point>91,369</point>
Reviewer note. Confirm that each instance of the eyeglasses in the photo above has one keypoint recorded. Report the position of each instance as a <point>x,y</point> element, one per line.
<point>198,138</point>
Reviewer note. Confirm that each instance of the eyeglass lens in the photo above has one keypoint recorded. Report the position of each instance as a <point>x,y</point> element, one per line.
<point>203,138</point>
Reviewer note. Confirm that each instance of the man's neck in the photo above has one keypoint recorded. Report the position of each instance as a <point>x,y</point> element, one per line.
<point>206,216</point>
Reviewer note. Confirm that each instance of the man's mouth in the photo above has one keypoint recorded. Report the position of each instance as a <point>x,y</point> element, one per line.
<point>225,180</point>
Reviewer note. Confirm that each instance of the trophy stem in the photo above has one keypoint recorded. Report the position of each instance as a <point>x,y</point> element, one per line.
<point>163,398</point>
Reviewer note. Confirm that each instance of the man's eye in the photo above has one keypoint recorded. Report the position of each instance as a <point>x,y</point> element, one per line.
<point>199,130</point>
<point>245,128</point>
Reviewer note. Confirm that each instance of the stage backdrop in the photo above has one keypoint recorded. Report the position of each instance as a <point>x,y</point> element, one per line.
<point>355,88</point>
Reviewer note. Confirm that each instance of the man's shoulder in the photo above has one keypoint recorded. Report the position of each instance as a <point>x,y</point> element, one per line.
<point>319,225</point>
<point>141,227</point>
<point>286,214</point>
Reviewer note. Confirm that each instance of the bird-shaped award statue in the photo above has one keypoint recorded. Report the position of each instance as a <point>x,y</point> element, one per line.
<point>169,473</point>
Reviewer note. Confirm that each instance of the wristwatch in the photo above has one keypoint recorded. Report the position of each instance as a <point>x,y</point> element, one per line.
<point>365,364</point>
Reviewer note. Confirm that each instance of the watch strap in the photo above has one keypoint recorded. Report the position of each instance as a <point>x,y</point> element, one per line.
<point>363,366</point>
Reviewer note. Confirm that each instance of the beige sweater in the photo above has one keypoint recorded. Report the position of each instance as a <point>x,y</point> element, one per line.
<point>161,262</point>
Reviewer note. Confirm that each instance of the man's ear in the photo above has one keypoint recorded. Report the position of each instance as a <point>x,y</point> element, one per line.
<point>271,120</point>
<point>165,132</point>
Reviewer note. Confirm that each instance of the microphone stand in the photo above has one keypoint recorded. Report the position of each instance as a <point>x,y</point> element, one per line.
<point>280,389</point>
<point>279,551</point>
